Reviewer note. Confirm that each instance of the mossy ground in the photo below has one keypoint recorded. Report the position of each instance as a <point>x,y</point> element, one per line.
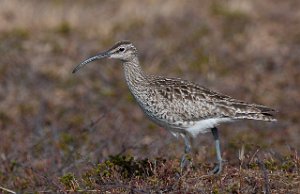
<point>62,132</point>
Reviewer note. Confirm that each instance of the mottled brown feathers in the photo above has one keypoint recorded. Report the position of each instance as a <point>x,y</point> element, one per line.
<point>124,42</point>
<point>212,103</point>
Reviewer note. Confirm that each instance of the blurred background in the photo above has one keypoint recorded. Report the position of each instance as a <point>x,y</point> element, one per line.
<point>53,122</point>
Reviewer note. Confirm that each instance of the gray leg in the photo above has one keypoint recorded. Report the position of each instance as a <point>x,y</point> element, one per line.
<point>187,149</point>
<point>218,167</point>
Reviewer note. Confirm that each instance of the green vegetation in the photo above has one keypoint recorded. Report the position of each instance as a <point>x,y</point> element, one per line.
<point>234,21</point>
<point>122,173</point>
<point>84,132</point>
<point>69,181</point>
<point>64,28</point>
<point>16,33</point>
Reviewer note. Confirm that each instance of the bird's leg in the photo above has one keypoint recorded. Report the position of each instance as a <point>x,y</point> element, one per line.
<point>187,149</point>
<point>218,168</point>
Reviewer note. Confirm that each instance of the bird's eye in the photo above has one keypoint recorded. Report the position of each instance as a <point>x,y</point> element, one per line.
<point>121,49</point>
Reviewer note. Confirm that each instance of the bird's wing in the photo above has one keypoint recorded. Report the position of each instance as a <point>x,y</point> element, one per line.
<point>203,103</point>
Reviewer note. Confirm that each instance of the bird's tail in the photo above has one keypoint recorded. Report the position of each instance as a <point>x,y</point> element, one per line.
<point>257,112</point>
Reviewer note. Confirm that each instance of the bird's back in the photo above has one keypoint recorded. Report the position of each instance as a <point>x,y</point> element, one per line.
<point>180,100</point>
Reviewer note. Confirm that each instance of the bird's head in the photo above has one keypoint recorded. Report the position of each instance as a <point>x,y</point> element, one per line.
<point>123,50</point>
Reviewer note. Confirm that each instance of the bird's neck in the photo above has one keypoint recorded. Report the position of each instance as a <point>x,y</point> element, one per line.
<point>134,75</point>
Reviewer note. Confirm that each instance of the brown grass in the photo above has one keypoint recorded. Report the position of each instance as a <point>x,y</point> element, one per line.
<point>63,133</point>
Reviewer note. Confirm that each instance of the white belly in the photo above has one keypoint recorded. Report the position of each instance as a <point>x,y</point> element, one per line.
<point>202,126</point>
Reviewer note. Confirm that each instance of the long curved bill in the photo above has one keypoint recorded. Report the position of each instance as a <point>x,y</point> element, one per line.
<point>82,64</point>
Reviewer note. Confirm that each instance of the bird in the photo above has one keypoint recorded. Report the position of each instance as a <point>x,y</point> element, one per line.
<point>182,107</point>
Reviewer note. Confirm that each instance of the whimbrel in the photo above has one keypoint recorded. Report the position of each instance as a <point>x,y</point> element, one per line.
<point>182,107</point>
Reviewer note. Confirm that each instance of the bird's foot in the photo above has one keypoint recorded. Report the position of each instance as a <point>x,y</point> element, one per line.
<point>217,169</point>
<point>185,162</point>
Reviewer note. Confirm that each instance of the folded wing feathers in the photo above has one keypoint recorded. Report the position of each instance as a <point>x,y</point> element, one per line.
<point>254,112</point>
